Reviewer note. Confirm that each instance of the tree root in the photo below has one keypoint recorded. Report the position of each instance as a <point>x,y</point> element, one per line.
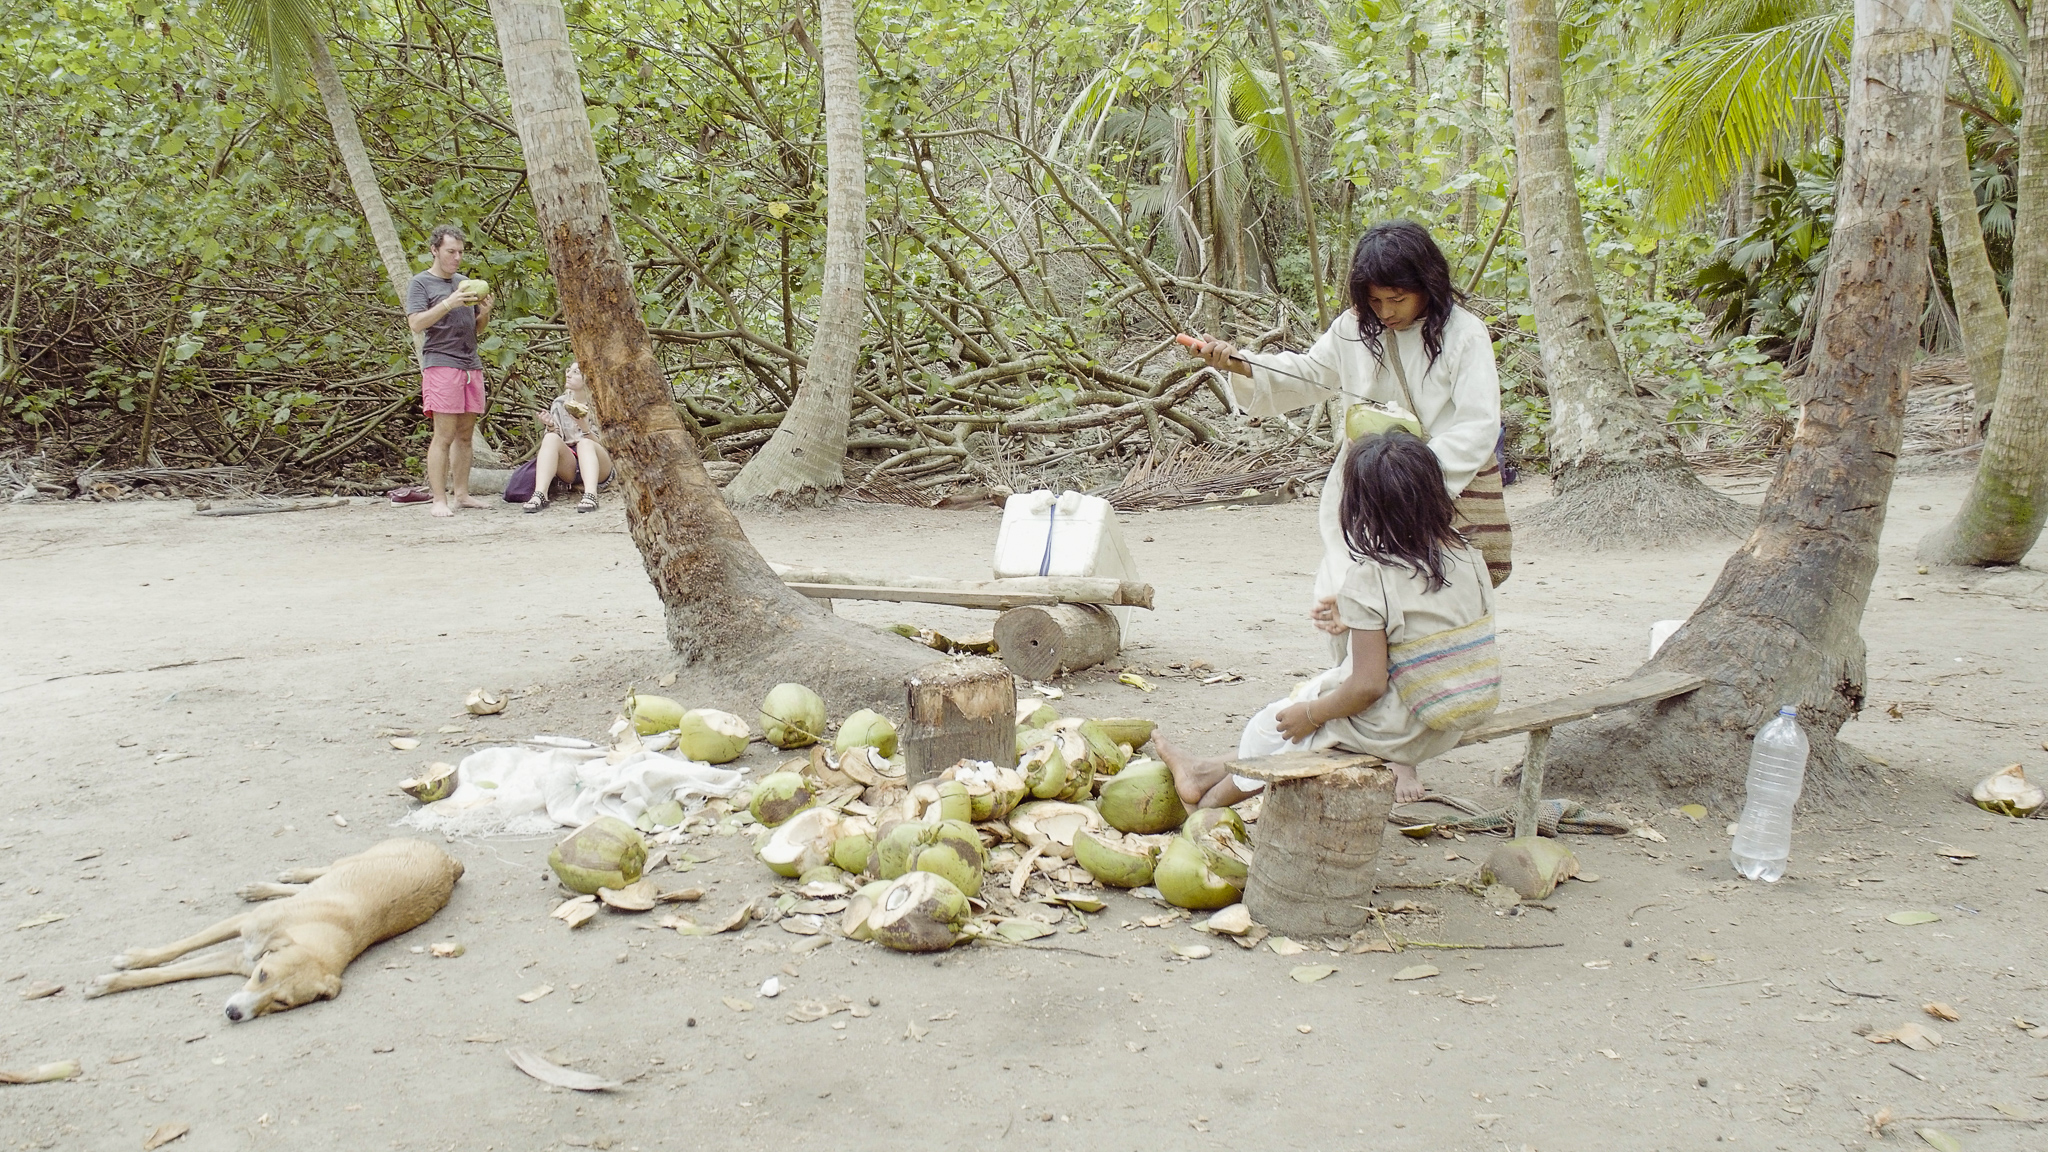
<point>1632,506</point>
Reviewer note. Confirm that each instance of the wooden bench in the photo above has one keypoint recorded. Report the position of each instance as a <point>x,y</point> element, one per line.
<point>1324,814</point>
<point>1047,624</point>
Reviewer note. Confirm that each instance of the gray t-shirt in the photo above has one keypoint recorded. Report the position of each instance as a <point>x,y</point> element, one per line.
<point>452,342</point>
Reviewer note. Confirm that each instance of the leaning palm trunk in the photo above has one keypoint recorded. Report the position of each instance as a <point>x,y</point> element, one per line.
<point>348,140</point>
<point>2002,518</point>
<point>1978,307</point>
<point>727,611</point>
<point>1783,623</point>
<point>809,446</point>
<point>1619,479</point>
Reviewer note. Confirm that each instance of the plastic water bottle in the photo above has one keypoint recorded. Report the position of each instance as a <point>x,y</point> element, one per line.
<point>1777,771</point>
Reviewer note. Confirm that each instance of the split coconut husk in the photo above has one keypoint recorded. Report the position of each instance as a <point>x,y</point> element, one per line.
<point>1051,825</point>
<point>1531,865</point>
<point>709,736</point>
<point>1205,866</point>
<point>992,792</point>
<point>1120,860</point>
<point>1045,769</point>
<point>854,921</point>
<point>434,782</point>
<point>866,729</point>
<point>1106,754</point>
<point>2007,793</point>
<point>792,716</point>
<point>1142,799</point>
<point>779,796</point>
<point>920,912</point>
<point>484,703</point>
<point>800,843</point>
<point>651,714</point>
<point>940,800</point>
<point>605,853</point>
<point>1033,713</point>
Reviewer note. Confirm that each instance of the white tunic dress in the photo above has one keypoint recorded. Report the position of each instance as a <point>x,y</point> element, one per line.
<point>1459,396</point>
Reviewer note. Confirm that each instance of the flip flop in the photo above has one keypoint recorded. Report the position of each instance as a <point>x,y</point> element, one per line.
<point>411,494</point>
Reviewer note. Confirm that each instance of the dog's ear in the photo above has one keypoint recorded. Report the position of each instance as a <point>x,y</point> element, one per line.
<point>330,987</point>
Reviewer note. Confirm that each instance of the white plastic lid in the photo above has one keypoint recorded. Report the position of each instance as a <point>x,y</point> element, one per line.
<point>1788,710</point>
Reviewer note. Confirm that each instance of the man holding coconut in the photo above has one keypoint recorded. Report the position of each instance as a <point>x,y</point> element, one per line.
<point>449,312</point>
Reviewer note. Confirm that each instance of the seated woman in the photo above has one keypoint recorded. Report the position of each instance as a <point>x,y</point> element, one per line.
<point>1411,576</point>
<point>570,449</point>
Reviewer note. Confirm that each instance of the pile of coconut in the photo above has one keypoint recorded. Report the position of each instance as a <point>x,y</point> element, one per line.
<point>979,851</point>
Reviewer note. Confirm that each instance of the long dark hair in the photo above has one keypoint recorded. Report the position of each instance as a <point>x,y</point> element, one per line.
<point>1396,510</point>
<point>1401,254</point>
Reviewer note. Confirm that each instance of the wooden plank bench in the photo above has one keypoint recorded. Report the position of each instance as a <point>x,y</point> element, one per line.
<point>1320,829</point>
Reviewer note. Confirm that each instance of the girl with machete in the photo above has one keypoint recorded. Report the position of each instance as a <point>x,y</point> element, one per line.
<point>1404,343</point>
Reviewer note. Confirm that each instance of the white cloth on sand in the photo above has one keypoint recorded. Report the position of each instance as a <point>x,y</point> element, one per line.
<point>533,791</point>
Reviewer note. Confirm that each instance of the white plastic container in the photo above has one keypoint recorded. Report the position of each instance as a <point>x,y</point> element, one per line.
<point>1777,774</point>
<point>1661,631</point>
<point>1068,535</point>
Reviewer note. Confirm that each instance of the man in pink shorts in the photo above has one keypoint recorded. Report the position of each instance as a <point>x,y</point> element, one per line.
<point>451,372</point>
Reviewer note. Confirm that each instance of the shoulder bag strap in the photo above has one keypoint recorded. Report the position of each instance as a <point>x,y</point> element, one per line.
<point>1401,378</point>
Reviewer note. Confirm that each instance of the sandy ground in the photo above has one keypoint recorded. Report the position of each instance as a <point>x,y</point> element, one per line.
<point>1682,1009</point>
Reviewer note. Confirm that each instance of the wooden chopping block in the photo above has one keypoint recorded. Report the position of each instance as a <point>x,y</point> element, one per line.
<point>1041,641</point>
<point>1317,847</point>
<point>959,709</point>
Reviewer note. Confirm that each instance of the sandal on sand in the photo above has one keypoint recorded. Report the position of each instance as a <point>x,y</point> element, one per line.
<point>588,503</point>
<point>539,501</point>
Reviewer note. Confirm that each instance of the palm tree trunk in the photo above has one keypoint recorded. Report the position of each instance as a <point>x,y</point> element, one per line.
<point>1782,624</point>
<point>809,446</point>
<point>1302,192</point>
<point>2002,518</point>
<point>1468,144</point>
<point>1979,310</point>
<point>726,608</point>
<point>1619,479</point>
<point>348,140</point>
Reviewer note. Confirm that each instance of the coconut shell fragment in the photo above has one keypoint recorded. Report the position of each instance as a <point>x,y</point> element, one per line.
<point>2007,793</point>
<point>1051,825</point>
<point>433,783</point>
<point>1118,860</point>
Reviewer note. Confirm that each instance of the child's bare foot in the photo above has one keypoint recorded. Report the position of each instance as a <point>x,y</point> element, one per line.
<point>441,508</point>
<point>467,501</point>
<point>1192,778</point>
<point>1408,788</point>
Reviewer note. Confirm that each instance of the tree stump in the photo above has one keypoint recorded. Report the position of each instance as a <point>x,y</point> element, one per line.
<point>1041,641</point>
<point>1317,846</point>
<point>959,709</point>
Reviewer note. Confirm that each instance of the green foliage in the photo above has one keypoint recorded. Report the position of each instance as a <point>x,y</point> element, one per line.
<point>1765,278</point>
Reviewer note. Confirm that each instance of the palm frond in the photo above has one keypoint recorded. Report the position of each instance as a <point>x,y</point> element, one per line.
<point>1989,43</point>
<point>1255,104</point>
<point>280,33</point>
<point>1691,21</point>
<point>1731,99</point>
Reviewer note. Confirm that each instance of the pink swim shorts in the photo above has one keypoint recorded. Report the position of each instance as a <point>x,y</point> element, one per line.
<point>452,389</point>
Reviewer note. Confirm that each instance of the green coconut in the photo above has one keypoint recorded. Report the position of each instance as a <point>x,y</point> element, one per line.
<point>1081,761</point>
<point>919,912</point>
<point>1203,820</point>
<point>664,814</point>
<point>856,841</point>
<point>1036,714</point>
<point>651,714</point>
<point>605,853</point>
<point>866,729</point>
<point>779,796</point>
<point>792,716</point>
<point>1120,861</point>
<point>859,906</point>
<point>710,736</point>
<point>1142,799</point>
<point>1185,879</point>
<point>991,791</point>
<point>954,801</point>
<point>894,848</point>
<point>483,288</point>
<point>1127,730</point>
<point>951,848</point>
<point>800,843</point>
<point>1045,770</point>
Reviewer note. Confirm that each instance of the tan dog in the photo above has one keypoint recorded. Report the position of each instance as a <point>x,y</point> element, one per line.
<point>294,951</point>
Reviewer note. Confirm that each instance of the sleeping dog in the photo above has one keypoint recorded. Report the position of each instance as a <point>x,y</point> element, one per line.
<point>293,951</point>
